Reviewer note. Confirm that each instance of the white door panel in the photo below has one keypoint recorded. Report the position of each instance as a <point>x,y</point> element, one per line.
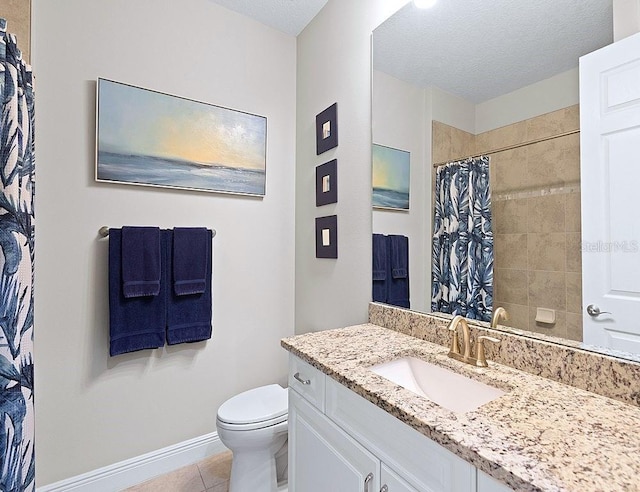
<point>610,174</point>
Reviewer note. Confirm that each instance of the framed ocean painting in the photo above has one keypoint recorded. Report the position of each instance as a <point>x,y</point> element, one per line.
<point>390,178</point>
<point>145,137</point>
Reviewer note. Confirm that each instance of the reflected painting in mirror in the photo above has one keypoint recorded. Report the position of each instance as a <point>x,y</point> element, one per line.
<point>471,78</point>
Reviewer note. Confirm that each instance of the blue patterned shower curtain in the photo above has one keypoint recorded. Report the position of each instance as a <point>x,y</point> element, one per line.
<point>17,172</point>
<point>462,267</point>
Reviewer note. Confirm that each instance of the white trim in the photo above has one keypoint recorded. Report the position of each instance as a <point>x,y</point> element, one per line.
<point>141,468</point>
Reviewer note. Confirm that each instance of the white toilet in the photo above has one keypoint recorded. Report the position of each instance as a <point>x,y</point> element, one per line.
<point>253,425</point>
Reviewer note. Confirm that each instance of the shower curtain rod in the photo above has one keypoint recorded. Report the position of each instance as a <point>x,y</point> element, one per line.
<point>510,147</point>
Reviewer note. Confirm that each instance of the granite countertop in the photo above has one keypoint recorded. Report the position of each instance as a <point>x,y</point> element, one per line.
<point>540,435</point>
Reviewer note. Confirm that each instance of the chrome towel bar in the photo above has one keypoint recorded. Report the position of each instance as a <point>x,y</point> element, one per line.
<point>104,232</point>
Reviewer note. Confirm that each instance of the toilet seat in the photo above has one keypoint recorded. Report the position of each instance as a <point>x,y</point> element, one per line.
<point>221,424</point>
<point>255,409</point>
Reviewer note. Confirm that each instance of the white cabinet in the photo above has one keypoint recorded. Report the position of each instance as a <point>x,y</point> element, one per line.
<point>393,482</point>
<point>340,442</point>
<point>420,462</point>
<point>487,483</point>
<point>322,457</point>
<point>307,381</point>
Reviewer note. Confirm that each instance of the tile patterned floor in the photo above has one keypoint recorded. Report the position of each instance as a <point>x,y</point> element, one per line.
<point>210,475</point>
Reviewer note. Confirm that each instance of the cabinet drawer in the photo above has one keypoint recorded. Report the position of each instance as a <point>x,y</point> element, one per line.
<point>422,463</point>
<point>487,483</point>
<point>307,381</point>
<point>393,482</point>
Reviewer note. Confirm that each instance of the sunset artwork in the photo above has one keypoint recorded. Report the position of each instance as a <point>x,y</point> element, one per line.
<point>146,137</point>
<point>390,178</point>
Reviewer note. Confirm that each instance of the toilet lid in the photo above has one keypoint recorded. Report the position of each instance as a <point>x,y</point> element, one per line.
<point>256,405</point>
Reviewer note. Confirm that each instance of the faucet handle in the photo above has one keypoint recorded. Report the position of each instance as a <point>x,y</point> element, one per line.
<point>455,345</point>
<point>480,356</point>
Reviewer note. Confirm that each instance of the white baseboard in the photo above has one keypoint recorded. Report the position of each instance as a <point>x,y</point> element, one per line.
<point>133,471</point>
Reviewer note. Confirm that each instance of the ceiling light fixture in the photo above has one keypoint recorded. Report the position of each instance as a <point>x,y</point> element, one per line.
<point>424,4</point>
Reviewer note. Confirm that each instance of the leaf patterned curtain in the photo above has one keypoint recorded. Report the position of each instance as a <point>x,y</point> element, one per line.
<point>17,175</point>
<point>462,269</point>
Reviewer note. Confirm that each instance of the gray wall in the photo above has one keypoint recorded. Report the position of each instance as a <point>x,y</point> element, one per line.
<point>93,410</point>
<point>334,65</point>
<point>400,119</point>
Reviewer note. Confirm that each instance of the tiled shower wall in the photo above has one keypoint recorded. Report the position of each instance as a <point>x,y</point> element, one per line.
<point>536,216</point>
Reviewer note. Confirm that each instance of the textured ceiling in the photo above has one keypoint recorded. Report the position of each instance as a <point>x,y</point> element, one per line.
<point>288,16</point>
<point>481,49</point>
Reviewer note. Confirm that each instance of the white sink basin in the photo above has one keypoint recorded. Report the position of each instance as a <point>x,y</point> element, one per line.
<point>446,388</point>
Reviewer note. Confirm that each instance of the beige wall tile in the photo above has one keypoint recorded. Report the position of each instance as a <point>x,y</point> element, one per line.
<point>501,137</point>
<point>510,286</point>
<point>462,144</point>
<point>554,163</point>
<point>509,170</point>
<point>510,251</point>
<point>547,290</point>
<point>510,216</point>
<point>18,16</point>
<point>554,123</point>
<point>546,213</point>
<point>546,251</point>
<point>441,142</point>
<point>518,315</point>
<point>574,252</point>
<point>557,329</point>
<point>574,327</point>
<point>574,293</point>
<point>572,219</point>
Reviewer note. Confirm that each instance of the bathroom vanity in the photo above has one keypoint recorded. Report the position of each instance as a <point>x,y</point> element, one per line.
<point>340,441</point>
<point>352,429</point>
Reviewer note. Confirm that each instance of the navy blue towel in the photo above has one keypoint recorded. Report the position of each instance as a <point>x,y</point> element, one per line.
<point>191,254</point>
<point>189,316</point>
<point>398,284</point>
<point>379,268</point>
<point>140,261</point>
<point>135,323</point>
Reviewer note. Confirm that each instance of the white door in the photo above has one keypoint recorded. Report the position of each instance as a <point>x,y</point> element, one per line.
<point>610,174</point>
<point>324,458</point>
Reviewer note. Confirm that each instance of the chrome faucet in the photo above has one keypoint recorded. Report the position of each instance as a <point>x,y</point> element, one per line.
<point>498,314</point>
<point>466,357</point>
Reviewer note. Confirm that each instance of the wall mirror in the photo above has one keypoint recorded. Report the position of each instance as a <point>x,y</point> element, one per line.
<point>468,78</point>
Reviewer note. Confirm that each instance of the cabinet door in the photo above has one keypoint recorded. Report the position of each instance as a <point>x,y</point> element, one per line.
<point>427,466</point>
<point>393,482</point>
<point>487,483</point>
<point>322,457</point>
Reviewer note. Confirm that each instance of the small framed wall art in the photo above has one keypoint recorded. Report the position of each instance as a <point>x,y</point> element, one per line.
<point>327,129</point>
<point>327,237</point>
<point>327,183</point>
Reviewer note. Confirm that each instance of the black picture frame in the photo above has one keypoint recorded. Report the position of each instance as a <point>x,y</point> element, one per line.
<point>327,237</point>
<point>327,183</point>
<point>327,129</point>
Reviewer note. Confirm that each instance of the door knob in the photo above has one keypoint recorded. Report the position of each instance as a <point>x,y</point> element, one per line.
<point>594,311</point>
